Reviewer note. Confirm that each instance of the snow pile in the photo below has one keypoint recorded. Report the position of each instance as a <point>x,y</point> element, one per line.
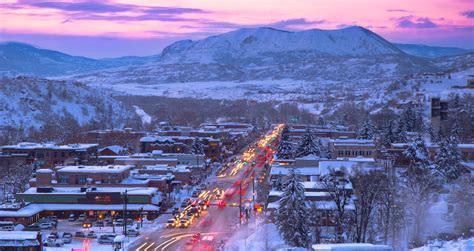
<point>458,245</point>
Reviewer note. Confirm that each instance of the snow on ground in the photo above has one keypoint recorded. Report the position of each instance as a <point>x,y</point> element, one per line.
<point>454,245</point>
<point>261,237</point>
<point>435,221</point>
<point>146,119</point>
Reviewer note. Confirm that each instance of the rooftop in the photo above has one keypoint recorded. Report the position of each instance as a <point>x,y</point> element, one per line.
<point>77,190</point>
<point>94,169</point>
<point>31,145</point>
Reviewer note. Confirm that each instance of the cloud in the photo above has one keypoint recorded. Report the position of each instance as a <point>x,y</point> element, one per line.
<point>414,22</point>
<point>468,13</point>
<point>105,10</point>
<point>398,10</point>
<point>294,22</point>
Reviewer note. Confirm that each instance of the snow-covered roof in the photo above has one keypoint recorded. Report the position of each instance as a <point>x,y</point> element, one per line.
<point>275,193</point>
<point>44,170</point>
<point>174,169</point>
<point>33,208</point>
<point>116,149</point>
<point>305,171</point>
<point>31,145</point>
<point>358,159</point>
<point>326,166</point>
<point>350,247</point>
<point>310,157</point>
<point>77,190</point>
<point>18,235</point>
<point>94,169</point>
<point>353,142</point>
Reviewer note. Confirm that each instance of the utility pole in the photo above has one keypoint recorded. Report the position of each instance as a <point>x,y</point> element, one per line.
<point>124,213</point>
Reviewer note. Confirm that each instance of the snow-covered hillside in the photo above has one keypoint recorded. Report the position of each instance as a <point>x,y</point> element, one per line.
<point>19,58</point>
<point>426,51</point>
<point>31,102</point>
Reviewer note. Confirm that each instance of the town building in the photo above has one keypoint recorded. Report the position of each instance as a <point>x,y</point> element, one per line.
<point>50,155</point>
<point>20,241</point>
<point>351,148</point>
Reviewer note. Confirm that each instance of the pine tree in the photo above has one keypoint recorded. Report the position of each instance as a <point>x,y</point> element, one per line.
<point>197,147</point>
<point>308,146</point>
<point>388,136</point>
<point>278,183</point>
<point>420,183</point>
<point>401,132</point>
<point>367,131</point>
<point>448,158</point>
<point>291,215</point>
<point>285,148</point>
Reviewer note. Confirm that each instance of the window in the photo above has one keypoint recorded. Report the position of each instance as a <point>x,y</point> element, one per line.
<point>63,179</point>
<point>55,154</point>
<point>63,154</point>
<point>82,179</point>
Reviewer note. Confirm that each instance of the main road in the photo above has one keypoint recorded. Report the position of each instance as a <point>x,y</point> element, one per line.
<point>223,216</point>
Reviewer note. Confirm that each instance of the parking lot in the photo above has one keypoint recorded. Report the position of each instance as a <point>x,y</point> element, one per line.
<point>91,236</point>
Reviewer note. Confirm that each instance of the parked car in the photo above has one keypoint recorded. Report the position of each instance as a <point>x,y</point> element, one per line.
<point>53,235</point>
<point>72,217</point>
<point>67,237</point>
<point>109,223</point>
<point>52,217</point>
<point>106,238</point>
<point>91,235</point>
<point>130,222</point>
<point>99,224</point>
<point>50,242</point>
<point>46,225</point>
<point>118,223</point>
<point>133,232</point>
<point>82,217</point>
<point>79,234</point>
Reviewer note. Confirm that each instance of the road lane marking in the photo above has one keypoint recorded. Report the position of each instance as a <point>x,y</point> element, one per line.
<point>144,244</point>
<point>153,243</point>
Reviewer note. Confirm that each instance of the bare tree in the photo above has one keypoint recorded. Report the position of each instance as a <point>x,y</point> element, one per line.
<point>336,184</point>
<point>16,178</point>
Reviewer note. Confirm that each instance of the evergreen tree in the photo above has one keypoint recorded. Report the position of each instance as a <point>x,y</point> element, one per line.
<point>291,217</point>
<point>388,136</point>
<point>420,183</point>
<point>401,132</point>
<point>278,183</point>
<point>308,146</point>
<point>197,147</point>
<point>448,158</point>
<point>367,131</point>
<point>285,148</point>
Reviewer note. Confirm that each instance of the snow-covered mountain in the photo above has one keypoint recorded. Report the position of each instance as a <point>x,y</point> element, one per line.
<point>32,102</point>
<point>348,54</point>
<point>19,58</point>
<point>426,51</point>
<point>255,42</point>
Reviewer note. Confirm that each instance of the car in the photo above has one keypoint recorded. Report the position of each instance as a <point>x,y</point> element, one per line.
<point>130,222</point>
<point>189,245</point>
<point>196,237</point>
<point>221,203</point>
<point>82,217</point>
<point>133,232</point>
<point>32,228</point>
<point>53,235</point>
<point>79,234</point>
<point>72,217</point>
<point>106,238</point>
<point>91,235</point>
<point>109,223</point>
<point>99,224</point>
<point>118,223</point>
<point>50,242</point>
<point>46,225</point>
<point>52,217</point>
<point>171,223</point>
<point>184,223</point>
<point>67,237</point>
<point>176,210</point>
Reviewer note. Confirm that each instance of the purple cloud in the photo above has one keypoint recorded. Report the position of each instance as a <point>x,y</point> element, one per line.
<point>398,10</point>
<point>468,14</point>
<point>412,22</point>
<point>295,21</point>
<point>105,10</point>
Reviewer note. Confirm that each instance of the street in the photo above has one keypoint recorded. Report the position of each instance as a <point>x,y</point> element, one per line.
<point>222,218</point>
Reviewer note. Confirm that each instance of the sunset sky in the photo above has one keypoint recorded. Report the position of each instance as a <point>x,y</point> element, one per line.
<point>110,28</point>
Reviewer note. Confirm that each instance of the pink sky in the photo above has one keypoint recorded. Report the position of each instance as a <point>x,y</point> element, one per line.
<point>101,28</point>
